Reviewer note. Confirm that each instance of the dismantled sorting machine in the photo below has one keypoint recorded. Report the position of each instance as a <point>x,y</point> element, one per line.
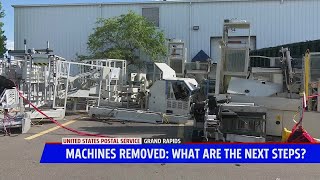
<point>235,100</point>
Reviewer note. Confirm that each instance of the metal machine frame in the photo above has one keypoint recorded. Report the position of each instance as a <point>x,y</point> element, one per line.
<point>177,57</point>
<point>222,70</point>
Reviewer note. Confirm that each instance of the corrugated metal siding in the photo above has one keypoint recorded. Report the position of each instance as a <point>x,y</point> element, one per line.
<point>66,28</point>
<point>174,21</point>
<point>273,23</point>
<point>116,10</point>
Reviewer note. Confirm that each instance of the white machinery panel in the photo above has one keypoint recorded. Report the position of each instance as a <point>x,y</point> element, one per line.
<point>215,52</point>
<point>57,114</point>
<point>115,74</point>
<point>9,98</point>
<point>167,71</point>
<point>252,87</point>
<point>275,122</point>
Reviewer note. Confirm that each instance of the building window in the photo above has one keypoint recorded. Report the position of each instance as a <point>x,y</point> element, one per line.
<point>152,15</point>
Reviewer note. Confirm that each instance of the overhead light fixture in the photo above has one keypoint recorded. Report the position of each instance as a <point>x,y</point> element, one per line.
<point>195,28</point>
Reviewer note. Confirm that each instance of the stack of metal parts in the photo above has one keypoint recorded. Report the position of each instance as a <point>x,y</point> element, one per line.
<point>228,122</point>
<point>34,72</point>
<point>243,122</point>
<point>177,56</point>
<point>211,121</point>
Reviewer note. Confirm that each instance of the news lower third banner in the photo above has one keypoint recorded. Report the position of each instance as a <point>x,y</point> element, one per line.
<point>181,153</point>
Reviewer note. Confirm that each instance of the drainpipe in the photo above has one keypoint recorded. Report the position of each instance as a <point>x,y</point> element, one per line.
<point>100,6</point>
<point>189,44</point>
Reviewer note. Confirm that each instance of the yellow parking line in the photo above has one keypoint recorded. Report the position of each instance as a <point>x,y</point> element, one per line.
<point>48,130</point>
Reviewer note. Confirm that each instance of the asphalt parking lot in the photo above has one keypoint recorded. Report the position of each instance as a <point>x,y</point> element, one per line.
<point>20,156</point>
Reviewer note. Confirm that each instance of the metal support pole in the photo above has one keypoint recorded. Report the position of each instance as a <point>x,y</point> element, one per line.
<point>48,80</point>
<point>67,87</point>
<point>100,85</point>
<point>154,73</point>
<point>45,83</point>
<point>128,94</point>
<point>56,84</point>
<point>109,89</point>
<point>21,100</point>
<point>28,69</point>
<point>29,83</point>
<point>218,74</point>
<point>38,88</point>
<point>306,73</point>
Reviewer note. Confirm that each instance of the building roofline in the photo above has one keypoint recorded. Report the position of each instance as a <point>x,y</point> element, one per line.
<point>131,3</point>
<point>96,4</point>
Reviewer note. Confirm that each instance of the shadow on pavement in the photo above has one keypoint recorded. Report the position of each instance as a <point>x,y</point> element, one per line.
<point>150,131</point>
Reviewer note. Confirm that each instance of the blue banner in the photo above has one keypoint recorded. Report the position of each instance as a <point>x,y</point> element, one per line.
<point>182,153</point>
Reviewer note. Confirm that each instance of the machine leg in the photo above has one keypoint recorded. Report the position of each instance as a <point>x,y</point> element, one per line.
<point>6,119</point>
<point>26,125</point>
<point>87,106</point>
<point>75,104</point>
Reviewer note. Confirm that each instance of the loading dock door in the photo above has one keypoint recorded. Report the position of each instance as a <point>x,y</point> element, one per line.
<point>215,51</point>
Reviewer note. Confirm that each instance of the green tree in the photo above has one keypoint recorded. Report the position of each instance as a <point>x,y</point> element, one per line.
<point>3,38</point>
<point>126,37</point>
